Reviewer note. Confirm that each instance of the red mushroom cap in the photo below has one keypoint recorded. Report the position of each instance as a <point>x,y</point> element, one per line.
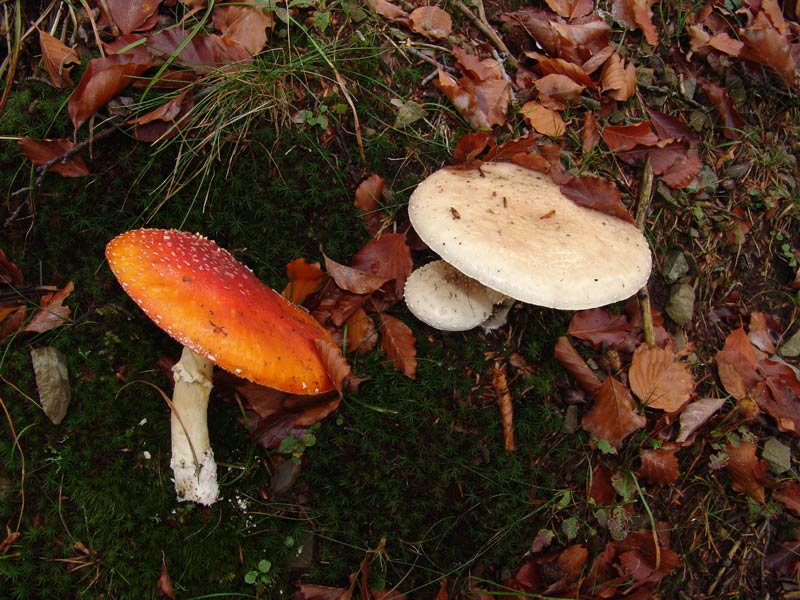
<point>208,301</point>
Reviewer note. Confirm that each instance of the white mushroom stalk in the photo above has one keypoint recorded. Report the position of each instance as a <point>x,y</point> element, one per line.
<point>192,462</point>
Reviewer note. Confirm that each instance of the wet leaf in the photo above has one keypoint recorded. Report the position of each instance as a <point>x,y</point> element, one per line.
<point>304,279</point>
<point>202,52</point>
<point>399,344</point>
<point>164,121</point>
<point>612,417</point>
<point>362,334</point>
<point>748,474</point>
<point>130,16</point>
<point>569,358</point>
<point>695,416</point>
<point>601,488</point>
<point>308,591</point>
<point>42,152</point>
<point>659,380</point>
<point>58,59</point>
<point>626,137</point>
<point>431,21</point>
<point>659,466</point>
<point>387,257</point>
<point>598,194</point>
<point>102,80</point>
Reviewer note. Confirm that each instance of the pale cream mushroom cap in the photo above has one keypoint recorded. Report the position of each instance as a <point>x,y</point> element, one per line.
<point>444,298</point>
<point>513,230</point>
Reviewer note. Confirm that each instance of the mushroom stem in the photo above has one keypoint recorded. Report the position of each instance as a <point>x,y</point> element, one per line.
<point>192,457</point>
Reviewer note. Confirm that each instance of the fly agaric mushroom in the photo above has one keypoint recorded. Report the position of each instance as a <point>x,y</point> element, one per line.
<point>222,314</point>
<point>443,297</point>
<point>514,231</point>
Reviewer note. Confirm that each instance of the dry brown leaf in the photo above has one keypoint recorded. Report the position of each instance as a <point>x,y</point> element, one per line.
<point>637,14</point>
<point>695,415</point>
<point>613,418</point>
<point>361,332</point>
<point>789,495</point>
<point>503,395</point>
<point>590,134</point>
<point>399,344</point>
<point>766,45</point>
<point>388,10</point>
<point>569,358</point>
<point>164,584</point>
<point>601,489</point>
<point>558,91</point>
<point>571,9</point>
<point>598,194</point>
<point>52,311</point>
<point>619,138</point>
<point>354,280</point>
<point>659,466</point>
<point>748,474</point>
<point>58,59</point>
<point>618,79</point>
<point>598,326</point>
<point>483,103</point>
<point>245,24</point>
<point>737,365</point>
<point>659,380</point>
<point>549,65</point>
<point>431,21</point>
<point>386,257</point>
<point>102,80</point>
<point>367,199</point>
<point>541,119</point>
<point>130,16</point>
<point>42,152</point>
<point>336,366</point>
<point>722,102</point>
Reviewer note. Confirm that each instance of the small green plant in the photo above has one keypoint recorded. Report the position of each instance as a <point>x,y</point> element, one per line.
<point>295,446</point>
<point>260,576</point>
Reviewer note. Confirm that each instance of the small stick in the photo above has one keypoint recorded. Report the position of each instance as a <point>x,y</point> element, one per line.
<point>500,384</point>
<point>642,208</point>
<point>482,24</point>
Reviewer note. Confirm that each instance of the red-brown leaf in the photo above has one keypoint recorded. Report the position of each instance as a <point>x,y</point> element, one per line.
<point>571,9</point>
<point>361,332</point>
<point>543,120</point>
<point>132,16</point>
<point>201,52</point>
<point>789,495</point>
<point>783,400</point>
<point>569,358</point>
<point>695,415</point>
<point>737,365</point>
<point>244,24</point>
<point>52,311</point>
<point>590,134</point>
<point>598,194</point>
<point>336,366</point>
<point>722,102</point>
<point>164,584</point>
<point>431,21</point>
<point>399,344</point>
<point>659,466</point>
<point>352,279</point>
<point>387,257</point>
<point>659,380</point>
<point>58,59</point>
<point>765,45</point>
<point>102,80</point>
<point>624,137</point>
<point>41,152</point>
<point>618,79</point>
<point>637,14</point>
<point>601,489</point>
<point>367,199</point>
<point>612,418</point>
<point>470,145</point>
<point>748,474</point>
<point>598,326</point>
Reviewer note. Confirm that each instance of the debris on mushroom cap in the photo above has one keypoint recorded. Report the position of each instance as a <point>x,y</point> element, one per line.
<point>444,298</point>
<point>208,301</point>
<point>513,230</point>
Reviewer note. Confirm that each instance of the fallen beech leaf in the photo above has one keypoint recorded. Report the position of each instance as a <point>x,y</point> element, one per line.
<point>659,380</point>
<point>782,558</point>
<point>636,14</point>
<point>625,137</point>
<point>598,326</point>
<point>725,43</point>
<point>399,344</point>
<point>103,79</point>
<point>201,52</point>
<point>470,145</point>
<point>601,489</point>
<point>387,10</point>
<point>695,415</point>
<point>245,24</point>
<point>387,257</point>
<point>52,311</point>
<point>500,385</point>
<point>612,418</point>
<point>760,332</point>
<point>483,103</point>
<point>58,59</point>
<point>590,134</point>
<point>659,466</point>
<point>304,278</point>
<point>308,591</point>
<point>598,194</point>
<point>766,45</point>
<point>719,98</point>
<point>671,127</point>
<point>164,121</point>
<point>783,400</point>
<point>361,332</point>
<point>131,16</point>
<point>41,152</point>
<point>558,91</point>
<point>737,365</point>
<point>789,495</point>
<point>335,363</point>
<point>571,9</point>
<point>549,65</point>
<point>352,279</point>
<point>543,120</point>
<point>367,199</point>
<point>569,358</point>
<point>431,21</point>
<point>618,80</point>
<point>748,474</point>
<point>164,584</point>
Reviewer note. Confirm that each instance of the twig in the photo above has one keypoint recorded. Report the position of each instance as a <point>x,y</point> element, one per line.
<point>500,385</point>
<point>21,462</point>
<point>481,23</point>
<point>643,207</point>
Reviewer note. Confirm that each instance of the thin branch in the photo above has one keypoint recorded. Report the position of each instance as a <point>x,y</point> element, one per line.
<point>483,24</point>
<point>642,208</point>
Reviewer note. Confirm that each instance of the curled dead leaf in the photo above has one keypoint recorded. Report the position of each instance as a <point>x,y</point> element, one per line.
<point>659,380</point>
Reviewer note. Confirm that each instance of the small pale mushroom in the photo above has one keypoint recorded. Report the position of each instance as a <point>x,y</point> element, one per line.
<point>514,231</point>
<point>443,297</point>
<point>222,314</point>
